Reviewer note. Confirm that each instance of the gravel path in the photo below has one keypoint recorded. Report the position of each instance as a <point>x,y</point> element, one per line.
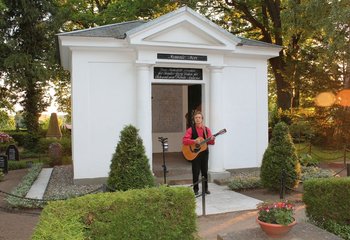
<point>61,184</point>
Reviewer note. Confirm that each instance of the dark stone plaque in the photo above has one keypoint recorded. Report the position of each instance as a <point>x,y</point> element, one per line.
<point>12,153</point>
<point>55,154</point>
<point>178,73</point>
<point>3,163</point>
<point>182,57</point>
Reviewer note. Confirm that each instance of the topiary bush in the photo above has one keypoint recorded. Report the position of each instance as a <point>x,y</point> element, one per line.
<point>163,213</point>
<point>130,168</point>
<point>280,155</point>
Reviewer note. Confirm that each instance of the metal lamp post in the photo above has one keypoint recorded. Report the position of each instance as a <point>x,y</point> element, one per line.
<point>165,146</point>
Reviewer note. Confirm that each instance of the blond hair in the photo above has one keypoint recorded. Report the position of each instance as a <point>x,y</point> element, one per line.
<point>196,113</point>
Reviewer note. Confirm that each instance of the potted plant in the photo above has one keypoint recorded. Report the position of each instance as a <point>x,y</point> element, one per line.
<point>276,218</point>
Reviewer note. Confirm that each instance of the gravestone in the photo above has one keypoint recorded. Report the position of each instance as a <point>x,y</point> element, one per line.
<point>12,153</point>
<point>55,154</point>
<point>3,163</point>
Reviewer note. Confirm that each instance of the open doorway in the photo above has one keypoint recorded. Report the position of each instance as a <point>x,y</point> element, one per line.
<point>194,102</point>
<point>172,109</point>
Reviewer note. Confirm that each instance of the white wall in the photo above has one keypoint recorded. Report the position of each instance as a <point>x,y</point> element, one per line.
<point>245,112</point>
<point>104,102</point>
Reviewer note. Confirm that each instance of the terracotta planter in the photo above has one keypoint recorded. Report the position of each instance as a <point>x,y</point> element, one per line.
<point>275,230</point>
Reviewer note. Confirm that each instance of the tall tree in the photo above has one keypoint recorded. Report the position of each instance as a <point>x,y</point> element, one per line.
<point>263,19</point>
<point>302,28</point>
<point>28,32</point>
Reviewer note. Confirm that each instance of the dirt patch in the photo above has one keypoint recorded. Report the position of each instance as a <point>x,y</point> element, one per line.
<point>15,224</point>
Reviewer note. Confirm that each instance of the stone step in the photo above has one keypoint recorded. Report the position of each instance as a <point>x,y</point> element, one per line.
<point>176,180</point>
<point>172,172</point>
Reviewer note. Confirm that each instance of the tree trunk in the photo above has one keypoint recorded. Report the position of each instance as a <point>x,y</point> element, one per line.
<point>347,76</point>
<point>31,108</point>
<point>284,96</point>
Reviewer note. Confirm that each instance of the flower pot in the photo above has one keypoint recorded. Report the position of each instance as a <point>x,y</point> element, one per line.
<point>275,230</point>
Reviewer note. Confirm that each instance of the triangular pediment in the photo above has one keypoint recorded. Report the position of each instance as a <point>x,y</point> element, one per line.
<point>184,33</point>
<point>183,28</point>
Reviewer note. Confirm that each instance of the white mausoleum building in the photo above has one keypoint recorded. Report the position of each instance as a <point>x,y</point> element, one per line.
<point>150,74</point>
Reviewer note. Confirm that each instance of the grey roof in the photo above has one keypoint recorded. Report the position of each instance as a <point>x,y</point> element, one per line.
<point>252,42</point>
<point>116,30</point>
<point>121,30</point>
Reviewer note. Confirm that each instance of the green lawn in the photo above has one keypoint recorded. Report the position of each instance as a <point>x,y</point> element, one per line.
<point>320,154</point>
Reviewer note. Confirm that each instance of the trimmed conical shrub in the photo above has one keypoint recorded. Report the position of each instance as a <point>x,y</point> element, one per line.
<point>54,128</point>
<point>130,168</point>
<point>280,155</point>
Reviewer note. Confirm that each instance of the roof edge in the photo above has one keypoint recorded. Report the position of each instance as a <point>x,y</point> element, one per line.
<point>98,27</point>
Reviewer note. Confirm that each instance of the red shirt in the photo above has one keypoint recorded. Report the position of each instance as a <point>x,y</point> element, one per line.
<point>186,140</point>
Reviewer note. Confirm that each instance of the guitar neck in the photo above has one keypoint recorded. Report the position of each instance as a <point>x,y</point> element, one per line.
<point>208,139</point>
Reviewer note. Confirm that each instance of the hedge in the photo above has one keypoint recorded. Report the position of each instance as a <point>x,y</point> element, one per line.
<point>327,199</point>
<point>153,213</point>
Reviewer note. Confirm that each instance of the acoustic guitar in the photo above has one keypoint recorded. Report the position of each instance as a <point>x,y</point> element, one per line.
<point>190,152</point>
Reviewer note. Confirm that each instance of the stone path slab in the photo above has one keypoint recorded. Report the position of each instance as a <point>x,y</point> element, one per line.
<point>39,186</point>
<point>223,200</point>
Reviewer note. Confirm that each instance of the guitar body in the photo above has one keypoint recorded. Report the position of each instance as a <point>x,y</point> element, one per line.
<point>190,152</point>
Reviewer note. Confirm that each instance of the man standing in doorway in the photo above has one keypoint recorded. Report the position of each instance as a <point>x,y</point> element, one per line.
<point>194,135</point>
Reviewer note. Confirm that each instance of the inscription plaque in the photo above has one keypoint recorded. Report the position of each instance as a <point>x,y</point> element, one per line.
<point>182,57</point>
<point>178,73</point>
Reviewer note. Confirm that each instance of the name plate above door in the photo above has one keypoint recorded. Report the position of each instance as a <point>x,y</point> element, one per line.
<point>182,57</point>
<point>178,73</point>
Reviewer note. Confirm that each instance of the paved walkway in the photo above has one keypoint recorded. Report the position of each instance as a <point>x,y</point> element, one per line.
<point>223,200</point>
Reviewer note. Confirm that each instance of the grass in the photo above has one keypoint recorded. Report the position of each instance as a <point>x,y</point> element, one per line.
<point>320,154</point>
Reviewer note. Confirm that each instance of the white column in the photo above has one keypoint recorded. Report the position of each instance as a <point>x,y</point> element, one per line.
<point>216,161</point>
<point>144,107</point>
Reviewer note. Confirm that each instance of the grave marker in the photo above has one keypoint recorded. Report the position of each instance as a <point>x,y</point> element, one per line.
<point>3,163</point>
<point>12,153</point>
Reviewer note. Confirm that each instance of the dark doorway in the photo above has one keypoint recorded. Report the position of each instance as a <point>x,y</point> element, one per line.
<point>194,102</point>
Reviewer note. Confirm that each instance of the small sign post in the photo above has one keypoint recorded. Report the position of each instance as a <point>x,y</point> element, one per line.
<point>3,163</point>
